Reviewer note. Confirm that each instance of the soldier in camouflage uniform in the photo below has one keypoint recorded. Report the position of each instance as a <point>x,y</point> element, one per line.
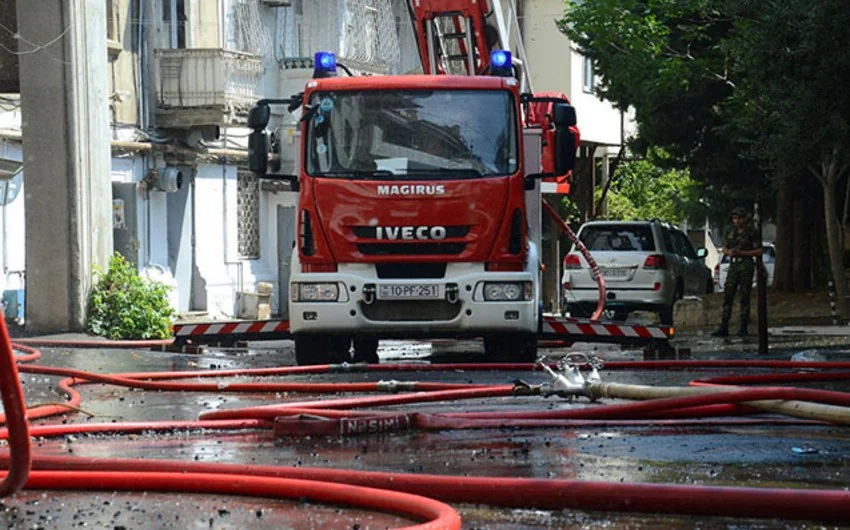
<point>742,244</point>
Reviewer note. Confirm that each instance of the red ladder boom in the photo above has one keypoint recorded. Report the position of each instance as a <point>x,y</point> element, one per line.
<point>452,35</point>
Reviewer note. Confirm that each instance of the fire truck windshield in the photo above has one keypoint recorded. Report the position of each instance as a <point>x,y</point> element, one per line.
<point>411,134</point>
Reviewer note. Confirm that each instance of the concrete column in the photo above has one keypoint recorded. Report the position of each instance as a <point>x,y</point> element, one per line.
<point>66,142</point>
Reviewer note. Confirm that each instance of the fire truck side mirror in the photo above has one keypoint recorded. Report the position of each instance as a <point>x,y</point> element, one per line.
<point>258,151</point>
<point>565,150</point>
<point>259,117</point>
<point>564,115</point>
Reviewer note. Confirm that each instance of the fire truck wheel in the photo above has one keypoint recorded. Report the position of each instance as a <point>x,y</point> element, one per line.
<point>339,349</point>
<point>366,350</point>
<point>525,350</point>
<point>512,347</point>
<point>321,349</point>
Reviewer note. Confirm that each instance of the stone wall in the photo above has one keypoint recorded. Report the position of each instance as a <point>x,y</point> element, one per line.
<point>783,309</point>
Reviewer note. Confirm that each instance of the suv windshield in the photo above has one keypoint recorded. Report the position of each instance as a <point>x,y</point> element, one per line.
<point>452,134</point>
<point>618,238</point>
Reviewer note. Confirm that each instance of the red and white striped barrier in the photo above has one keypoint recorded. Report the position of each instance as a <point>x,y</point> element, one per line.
<point>581,330</point>
<point>565,329</point>
<point>208,331</point>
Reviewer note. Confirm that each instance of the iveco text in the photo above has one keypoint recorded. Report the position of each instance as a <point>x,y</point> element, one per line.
<point>410,232</point>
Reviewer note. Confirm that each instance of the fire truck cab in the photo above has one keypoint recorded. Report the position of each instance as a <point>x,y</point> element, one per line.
<point>413,216</point>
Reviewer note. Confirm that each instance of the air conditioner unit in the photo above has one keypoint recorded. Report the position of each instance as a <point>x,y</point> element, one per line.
<point>9,168</point>
<point>169,179</point>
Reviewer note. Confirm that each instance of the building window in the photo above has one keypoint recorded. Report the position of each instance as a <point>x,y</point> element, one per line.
<point>175,19</point>
<point>588,76</point>
<point>248,222</point>
<point>113,28</point>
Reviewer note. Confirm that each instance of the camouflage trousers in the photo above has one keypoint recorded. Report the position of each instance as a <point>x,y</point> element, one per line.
<point>740,276</point>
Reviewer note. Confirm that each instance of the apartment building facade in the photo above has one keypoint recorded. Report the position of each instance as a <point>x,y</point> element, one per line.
<point>183,75</point>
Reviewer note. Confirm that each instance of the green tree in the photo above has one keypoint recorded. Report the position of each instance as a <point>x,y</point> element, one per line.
<point>793,61</point>
<point>725,86</point>
<point>643,189</point>
<point>666,60</point>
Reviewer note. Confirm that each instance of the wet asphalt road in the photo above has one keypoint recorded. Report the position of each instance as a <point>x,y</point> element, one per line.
<point>759,456</point>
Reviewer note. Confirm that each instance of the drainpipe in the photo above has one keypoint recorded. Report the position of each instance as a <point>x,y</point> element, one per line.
<point>238,264</point>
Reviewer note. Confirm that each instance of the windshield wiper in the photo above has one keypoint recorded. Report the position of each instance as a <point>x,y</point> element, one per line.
<point>380,174</point>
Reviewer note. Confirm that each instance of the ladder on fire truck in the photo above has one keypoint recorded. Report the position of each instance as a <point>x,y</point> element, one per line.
<point>458,36</point>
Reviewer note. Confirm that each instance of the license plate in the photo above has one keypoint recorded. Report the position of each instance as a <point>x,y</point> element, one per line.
<point>616,273</point>
<point>409,291</point>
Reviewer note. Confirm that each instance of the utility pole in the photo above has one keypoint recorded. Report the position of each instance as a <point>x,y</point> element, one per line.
<point>67,160</point>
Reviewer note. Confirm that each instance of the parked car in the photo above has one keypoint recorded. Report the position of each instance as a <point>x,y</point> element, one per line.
<point>768,258</point>
<point>647,265</point>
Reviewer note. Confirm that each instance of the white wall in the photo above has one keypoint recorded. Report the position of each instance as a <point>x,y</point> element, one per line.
<point>12,237</point>
<point>598,120</point>
<point>556,67</point>
<point>216,239</point>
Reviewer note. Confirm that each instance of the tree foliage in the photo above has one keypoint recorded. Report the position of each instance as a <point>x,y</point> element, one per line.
<point>645,190</point>
<point>746,93</point>
<point>666,59</point>
<point>124,305</point>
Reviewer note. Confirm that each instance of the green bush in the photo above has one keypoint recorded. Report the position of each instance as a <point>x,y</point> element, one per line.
<point>123,305</point>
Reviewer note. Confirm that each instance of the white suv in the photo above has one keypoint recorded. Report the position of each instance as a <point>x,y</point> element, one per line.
<point>647,265</point>
<point>768,259</point>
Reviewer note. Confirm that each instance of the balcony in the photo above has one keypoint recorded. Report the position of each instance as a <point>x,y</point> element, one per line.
<point>205,86</point>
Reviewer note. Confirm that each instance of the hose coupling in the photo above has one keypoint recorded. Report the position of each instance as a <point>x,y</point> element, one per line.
<point>347,367</point>
<point>394,386</point>
<point>521,388</point>
<point>570,382</point>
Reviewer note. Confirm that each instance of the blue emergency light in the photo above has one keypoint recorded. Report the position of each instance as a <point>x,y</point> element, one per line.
<point>324,64</point>
<point>501,63</point>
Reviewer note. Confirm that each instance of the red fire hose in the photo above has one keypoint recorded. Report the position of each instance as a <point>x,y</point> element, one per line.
<point>554,494</point>
<point>63,473</point>
<point>16,421</point>
<point>594,268</point>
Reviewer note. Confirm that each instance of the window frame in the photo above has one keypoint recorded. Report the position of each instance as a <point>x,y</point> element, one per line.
<point>588,76</point>
<point>113,28</point>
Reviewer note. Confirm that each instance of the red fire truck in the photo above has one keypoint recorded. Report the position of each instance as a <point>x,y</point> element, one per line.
<point>418,210</point>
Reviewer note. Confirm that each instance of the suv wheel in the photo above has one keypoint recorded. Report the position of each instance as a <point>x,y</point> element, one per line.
<point>511,347</point>
<point>322,349</point>
<point>366,350</point>
<point>666,314</point>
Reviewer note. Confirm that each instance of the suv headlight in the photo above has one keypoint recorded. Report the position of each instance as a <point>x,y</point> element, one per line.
<point>506,291</point>
<point>314,292</point>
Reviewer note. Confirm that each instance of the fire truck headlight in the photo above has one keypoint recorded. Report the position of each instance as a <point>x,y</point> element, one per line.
<point>315,292</point>
<point>504,291</point>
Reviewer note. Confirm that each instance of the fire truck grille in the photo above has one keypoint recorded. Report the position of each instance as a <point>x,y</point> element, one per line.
<point>397,271</point>
<point>412,310</point>
<point>410,249</point>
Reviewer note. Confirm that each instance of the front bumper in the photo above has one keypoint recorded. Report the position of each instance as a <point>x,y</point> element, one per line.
<point>467,313</point>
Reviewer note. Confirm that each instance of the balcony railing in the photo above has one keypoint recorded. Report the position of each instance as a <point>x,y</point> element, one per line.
<point>205,86</point>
